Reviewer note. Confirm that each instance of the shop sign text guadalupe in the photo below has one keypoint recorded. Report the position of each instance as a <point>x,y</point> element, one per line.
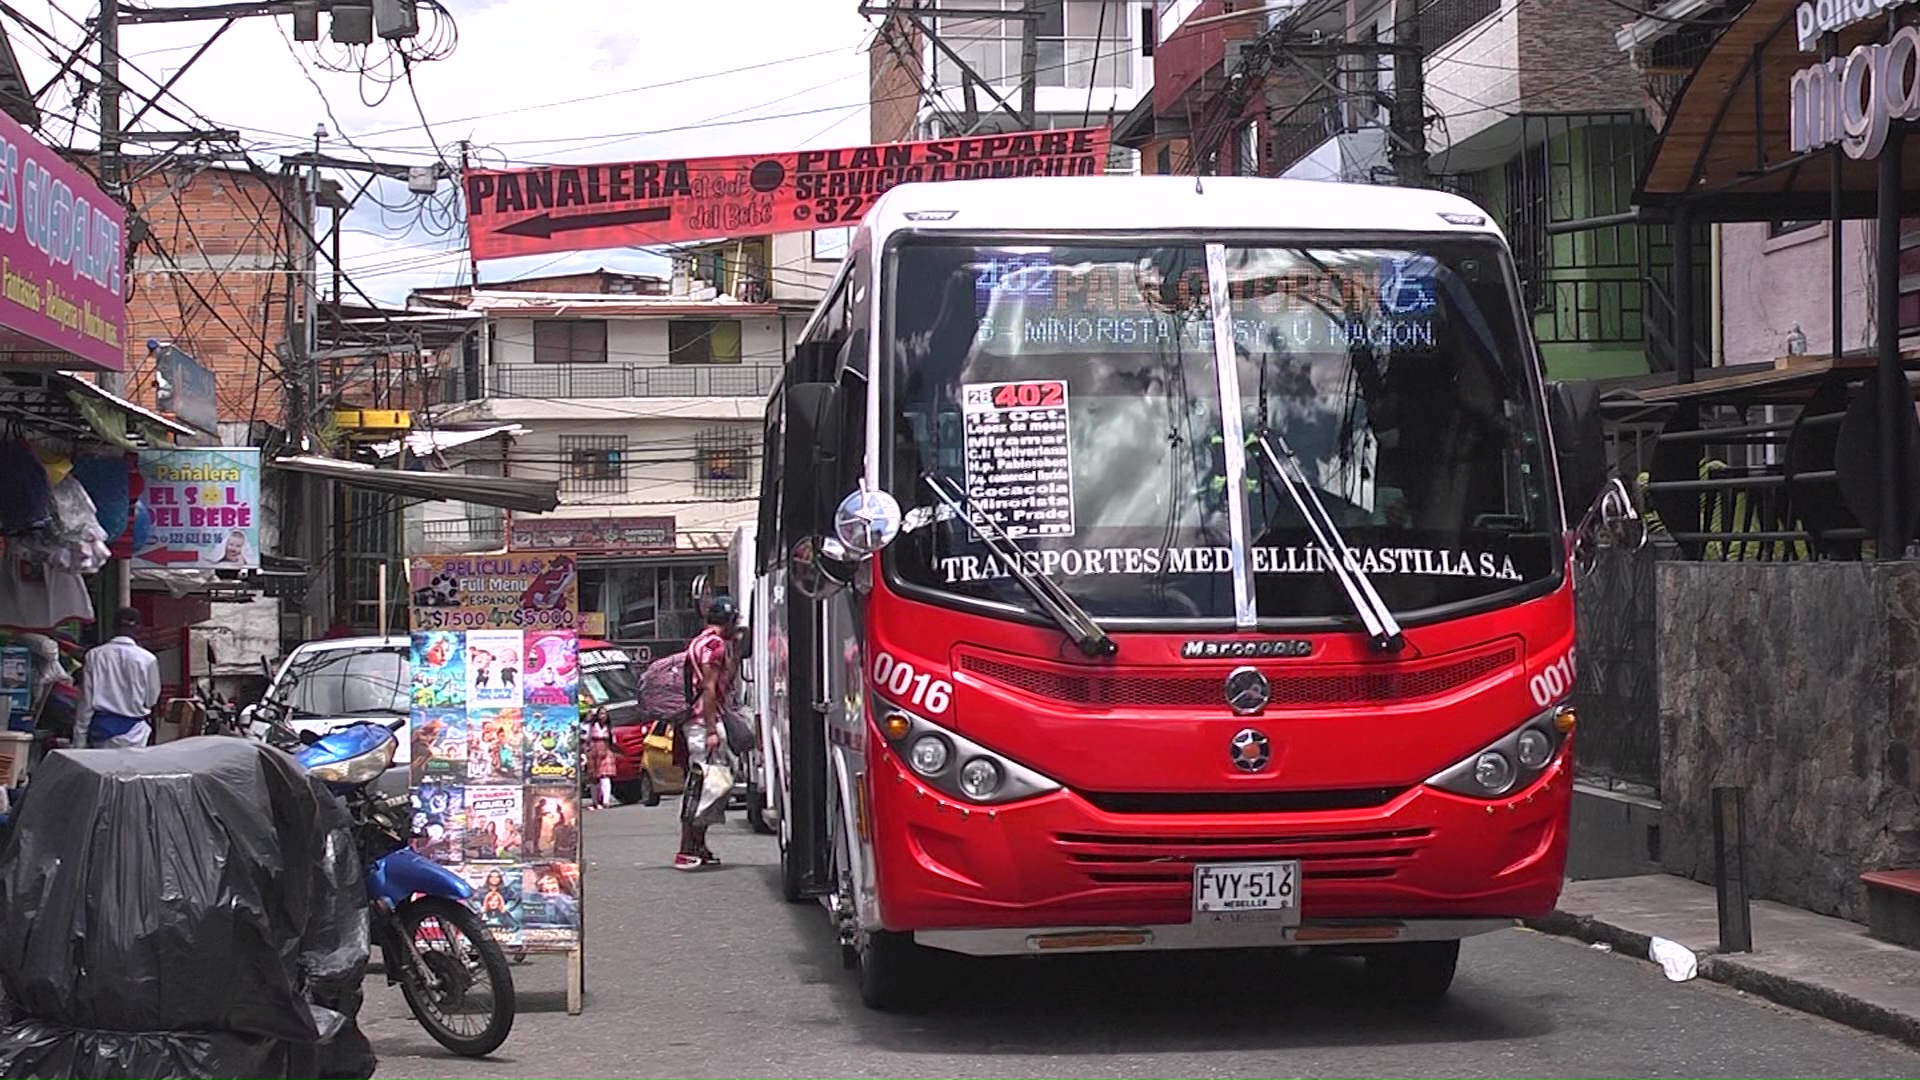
<point>62,260</point>
<point>1853,100</point>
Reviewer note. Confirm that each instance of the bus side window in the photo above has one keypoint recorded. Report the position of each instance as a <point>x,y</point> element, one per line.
<point>853,413</point>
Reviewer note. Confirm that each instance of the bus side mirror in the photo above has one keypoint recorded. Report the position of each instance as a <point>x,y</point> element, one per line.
<point>1579,443</point>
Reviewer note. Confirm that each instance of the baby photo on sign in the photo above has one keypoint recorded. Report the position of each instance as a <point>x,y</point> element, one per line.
<point>553,668</point>
<point>494,746</point>
<point>493,668</point>
<point>553,824</point>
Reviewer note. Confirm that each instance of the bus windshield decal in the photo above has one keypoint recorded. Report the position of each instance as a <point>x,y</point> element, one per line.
<point>1019,462</point>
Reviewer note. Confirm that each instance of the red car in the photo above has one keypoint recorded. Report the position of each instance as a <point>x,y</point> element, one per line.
<point>648,764</point>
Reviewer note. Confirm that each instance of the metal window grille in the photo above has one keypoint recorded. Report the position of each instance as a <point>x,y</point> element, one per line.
<point>723,464</point>
<point>594,464</point>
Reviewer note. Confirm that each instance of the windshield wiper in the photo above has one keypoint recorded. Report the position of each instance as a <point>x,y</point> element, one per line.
<point>1061,608</point>
<point>1374,613</point>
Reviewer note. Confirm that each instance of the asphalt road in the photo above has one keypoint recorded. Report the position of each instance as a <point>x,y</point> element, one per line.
<point>711,975</point>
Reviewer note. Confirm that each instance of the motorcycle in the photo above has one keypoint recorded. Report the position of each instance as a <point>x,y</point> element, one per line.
<point>450,969</point>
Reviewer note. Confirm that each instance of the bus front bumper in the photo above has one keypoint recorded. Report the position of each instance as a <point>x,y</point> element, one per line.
<point>1056,873</point>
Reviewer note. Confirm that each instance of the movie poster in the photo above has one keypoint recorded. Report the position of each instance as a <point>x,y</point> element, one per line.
<point>439,670</point>
<point>553,745</point>
<point>439,746</point>
<point>493,823</point>
<point>493,669</point>
<point>553,668</point>
<point>495,749</point>
<point>439,820</point>
<point>553,823</point>
<point>496,899</point>
<point>495,735</point>
<point>550,902</point>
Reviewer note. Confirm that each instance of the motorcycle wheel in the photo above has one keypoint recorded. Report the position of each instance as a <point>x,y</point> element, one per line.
<point>439,1008</point>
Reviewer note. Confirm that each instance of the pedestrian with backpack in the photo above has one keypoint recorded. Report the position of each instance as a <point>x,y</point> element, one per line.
<point>709,666</point>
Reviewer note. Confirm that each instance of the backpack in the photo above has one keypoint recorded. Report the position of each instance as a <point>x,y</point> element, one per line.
<point>666,689</point>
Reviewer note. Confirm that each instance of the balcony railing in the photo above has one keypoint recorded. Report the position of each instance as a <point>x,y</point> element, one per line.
<point>437,535</point>
<point>622,381</point>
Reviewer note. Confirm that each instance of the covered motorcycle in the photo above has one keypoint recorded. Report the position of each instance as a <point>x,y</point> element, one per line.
<point>194,909</point>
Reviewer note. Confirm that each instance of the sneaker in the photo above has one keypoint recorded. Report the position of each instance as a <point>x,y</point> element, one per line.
<point>708,858</point>
<point>684,861</point>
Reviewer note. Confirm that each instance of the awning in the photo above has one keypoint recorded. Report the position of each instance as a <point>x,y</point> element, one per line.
<point>63,402</point>
<point>1728,148</point>
<point>525,496</point>
<point>428,443</point>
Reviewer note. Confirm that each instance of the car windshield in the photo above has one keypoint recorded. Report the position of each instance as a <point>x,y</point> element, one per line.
<point>1072,390</point>
<point>609,685</point>
<point>348,682</point>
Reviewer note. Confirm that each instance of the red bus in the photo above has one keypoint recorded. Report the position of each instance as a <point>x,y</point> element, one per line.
<point>1152,563</point>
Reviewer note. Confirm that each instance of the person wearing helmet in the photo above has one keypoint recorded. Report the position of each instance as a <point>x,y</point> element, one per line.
<point>710,662</point>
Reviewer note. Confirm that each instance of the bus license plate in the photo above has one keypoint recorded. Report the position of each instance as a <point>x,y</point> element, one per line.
<point>1230,887</point>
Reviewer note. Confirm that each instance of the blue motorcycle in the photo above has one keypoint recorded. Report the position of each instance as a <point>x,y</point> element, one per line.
<point>448,965</point>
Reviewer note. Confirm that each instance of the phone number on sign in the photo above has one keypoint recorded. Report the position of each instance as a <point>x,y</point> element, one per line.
<point>493,620</point>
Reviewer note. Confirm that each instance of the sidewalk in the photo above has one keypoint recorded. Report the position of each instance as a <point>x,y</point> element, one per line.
<point>1817,964</point>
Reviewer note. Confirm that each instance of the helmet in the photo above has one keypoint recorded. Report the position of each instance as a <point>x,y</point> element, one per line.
<point>721,611</point>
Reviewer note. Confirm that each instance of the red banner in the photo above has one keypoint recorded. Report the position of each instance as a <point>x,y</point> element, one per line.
<point>555,208</point>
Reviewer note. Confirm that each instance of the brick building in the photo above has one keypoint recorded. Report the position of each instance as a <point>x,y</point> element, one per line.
<point>210,262</point>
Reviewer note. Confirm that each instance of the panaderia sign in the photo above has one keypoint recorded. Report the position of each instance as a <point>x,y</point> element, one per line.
<point>1853,100</point>
<point>535,211</point>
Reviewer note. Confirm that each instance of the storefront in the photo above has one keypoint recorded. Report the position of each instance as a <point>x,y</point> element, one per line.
<point>68,448</point>
<point>638,575</point>
<point>1798,112</point>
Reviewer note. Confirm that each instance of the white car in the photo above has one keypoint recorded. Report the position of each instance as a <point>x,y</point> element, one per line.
<point>338,681</point>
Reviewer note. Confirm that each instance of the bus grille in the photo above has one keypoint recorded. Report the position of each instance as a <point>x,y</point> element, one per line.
<point>1188,689</point>
<point>1120,859</point>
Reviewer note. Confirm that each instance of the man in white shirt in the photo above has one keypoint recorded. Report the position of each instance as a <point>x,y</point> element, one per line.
<point>119,686</point>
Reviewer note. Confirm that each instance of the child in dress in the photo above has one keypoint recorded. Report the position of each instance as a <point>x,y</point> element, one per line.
<point>600,762</point>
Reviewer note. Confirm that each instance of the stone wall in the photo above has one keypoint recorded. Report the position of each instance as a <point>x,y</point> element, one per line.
<point>1802,683</point>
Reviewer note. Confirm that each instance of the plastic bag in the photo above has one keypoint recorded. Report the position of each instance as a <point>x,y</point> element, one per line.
<point>716,788</point>
<point>206,885</point>
<point>39,1049</point>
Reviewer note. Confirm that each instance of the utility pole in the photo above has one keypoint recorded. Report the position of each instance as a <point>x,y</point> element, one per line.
<point>110,125</point>
<point>1029,61</point>
<point>1409,113</point>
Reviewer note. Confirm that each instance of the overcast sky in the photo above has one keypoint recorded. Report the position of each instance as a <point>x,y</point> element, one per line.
<point>660,78</point>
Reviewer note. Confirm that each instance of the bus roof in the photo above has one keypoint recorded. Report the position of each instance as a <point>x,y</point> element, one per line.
<point>1153,203</point>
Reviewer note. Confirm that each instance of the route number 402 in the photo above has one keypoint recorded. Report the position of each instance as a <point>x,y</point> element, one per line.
<point>917,688</point>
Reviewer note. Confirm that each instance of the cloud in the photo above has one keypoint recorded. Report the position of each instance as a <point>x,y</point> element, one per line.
<point>530,80</point>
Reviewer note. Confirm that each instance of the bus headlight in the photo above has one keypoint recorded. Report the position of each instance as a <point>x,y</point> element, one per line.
<point>930,752</point>
<point>979,779</point>
<point>1511,763</point>
<point>928,755</point>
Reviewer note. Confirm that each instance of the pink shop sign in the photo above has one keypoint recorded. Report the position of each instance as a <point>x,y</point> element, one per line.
<point>62,261</point>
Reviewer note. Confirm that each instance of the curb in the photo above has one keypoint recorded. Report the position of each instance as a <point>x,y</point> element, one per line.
<point>1798,994</point>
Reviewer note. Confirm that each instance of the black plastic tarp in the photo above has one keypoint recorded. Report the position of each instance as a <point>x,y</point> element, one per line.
<point>191,906</point>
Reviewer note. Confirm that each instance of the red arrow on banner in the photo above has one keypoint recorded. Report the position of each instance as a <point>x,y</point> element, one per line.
<point>169,555</point>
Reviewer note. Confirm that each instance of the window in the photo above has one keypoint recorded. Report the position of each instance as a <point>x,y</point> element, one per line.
<point>1148,31</point>
<point>830,245</point>
<point>703,341</point>
<point>1071,34</point>
<point>593,463</point>
<point>1163,161</point>
<point>569,341</point>
<point>333,683</point>
<point>723,463</point>
<point>1246,150</point>
<point>1784,228</point>
<point>1443,20</point>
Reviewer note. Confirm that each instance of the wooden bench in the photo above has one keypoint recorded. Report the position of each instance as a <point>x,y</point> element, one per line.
<point>1893,905</point>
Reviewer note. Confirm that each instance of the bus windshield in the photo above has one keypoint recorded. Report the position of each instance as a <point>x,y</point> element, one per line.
<point>1072,391</point>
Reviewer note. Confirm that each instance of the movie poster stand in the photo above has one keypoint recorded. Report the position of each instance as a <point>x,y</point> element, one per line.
<point>495,730</point>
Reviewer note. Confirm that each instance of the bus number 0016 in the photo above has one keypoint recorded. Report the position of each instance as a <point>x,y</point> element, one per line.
<point>901,682</point>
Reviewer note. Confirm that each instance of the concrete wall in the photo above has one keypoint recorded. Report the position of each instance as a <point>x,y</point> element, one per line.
<point>1475,78</point>
<point>1800,681</point>
<point>662,462</point>
<point>1769,283</point>
<point>640,342</point>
